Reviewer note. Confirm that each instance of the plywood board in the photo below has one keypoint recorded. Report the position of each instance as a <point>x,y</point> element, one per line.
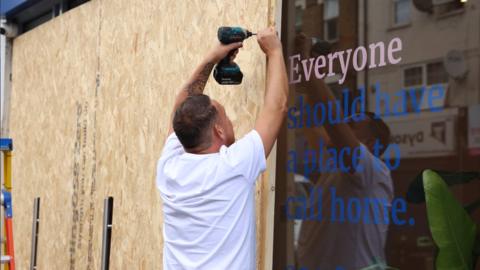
<point>53,78</point>
<point>91,98</point>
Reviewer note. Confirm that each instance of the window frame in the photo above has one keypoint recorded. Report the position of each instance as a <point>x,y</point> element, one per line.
<point>423,84</point>
<point>326,21</point>
<point>393,11</point>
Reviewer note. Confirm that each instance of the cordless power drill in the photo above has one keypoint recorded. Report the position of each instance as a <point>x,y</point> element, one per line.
<point>226,71</point>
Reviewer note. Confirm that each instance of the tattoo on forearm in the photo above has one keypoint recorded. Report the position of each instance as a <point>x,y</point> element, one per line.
<point>197,86</point>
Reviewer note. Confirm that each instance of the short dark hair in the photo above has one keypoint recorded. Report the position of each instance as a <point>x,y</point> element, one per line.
<point>379,129</point>
<point>193,119</point>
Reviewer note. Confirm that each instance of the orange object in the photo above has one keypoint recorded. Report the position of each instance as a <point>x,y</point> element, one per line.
<point>9,245</point>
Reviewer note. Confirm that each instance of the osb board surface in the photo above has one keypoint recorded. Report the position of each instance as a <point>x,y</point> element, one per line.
<point>53,78</point>
<point>91,98</point>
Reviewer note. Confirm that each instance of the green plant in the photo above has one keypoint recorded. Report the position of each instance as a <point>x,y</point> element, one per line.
<point>452,229</point>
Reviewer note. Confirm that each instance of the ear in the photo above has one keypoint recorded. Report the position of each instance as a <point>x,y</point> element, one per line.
<point>219,132</point>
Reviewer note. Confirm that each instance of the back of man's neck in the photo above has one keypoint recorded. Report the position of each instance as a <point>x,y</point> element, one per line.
<point>204,150</point>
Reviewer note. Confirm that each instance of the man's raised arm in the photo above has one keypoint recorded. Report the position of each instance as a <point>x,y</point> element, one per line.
<point>274,108</point>
<point>340,134</point>
<point>197,81</point>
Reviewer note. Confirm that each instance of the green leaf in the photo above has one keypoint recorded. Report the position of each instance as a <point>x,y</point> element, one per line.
<point>452,229</point>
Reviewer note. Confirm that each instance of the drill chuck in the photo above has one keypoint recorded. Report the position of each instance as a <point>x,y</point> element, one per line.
<point>227,35</point>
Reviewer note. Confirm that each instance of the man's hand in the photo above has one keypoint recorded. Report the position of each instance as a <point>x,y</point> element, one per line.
<point>219,51</point>
<point>274,107</point>
<point>269,41</point>
<point>197,81</point>
<point>317,91</point>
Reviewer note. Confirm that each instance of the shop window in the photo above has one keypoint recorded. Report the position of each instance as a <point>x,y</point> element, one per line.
<point>330,16</point>
<point>401,12</point>
<point>328,219</point>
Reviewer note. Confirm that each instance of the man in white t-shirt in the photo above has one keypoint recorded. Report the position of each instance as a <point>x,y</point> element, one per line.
<point>206,179</point>
<point>350,243</point>
<point>337,241</point>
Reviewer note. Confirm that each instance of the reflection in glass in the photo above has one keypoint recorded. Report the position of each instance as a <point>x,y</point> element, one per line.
<point>435,89</point>
<point>402,12</point>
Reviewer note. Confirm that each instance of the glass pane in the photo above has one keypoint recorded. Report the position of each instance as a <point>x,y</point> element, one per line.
<point>330,9</point>
<point>413,76</point>
<point>374,159</point>
<point>331,29</point>
<point>298,18</point>
<point>436,73</point>
<point>402,11</point>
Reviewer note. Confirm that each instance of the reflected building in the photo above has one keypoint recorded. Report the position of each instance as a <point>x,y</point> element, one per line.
<point>441,50</point>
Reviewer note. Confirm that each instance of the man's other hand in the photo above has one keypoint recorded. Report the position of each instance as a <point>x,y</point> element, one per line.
<point>269,41</point>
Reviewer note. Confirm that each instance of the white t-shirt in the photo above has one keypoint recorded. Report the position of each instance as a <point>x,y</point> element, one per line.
<point>209,204</point>
<point>348,245</point>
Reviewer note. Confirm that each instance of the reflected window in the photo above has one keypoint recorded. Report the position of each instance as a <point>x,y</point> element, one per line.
<point>427,74</point>
<point>330,16</point>
<point>436,73</point>
<point>401,10</point>
<point>298,18</point>
<point>413,76</point>
<point>418,78</point>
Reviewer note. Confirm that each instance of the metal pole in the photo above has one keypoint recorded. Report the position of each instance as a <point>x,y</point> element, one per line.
<point>107,232</point>
<point>35,231</point>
